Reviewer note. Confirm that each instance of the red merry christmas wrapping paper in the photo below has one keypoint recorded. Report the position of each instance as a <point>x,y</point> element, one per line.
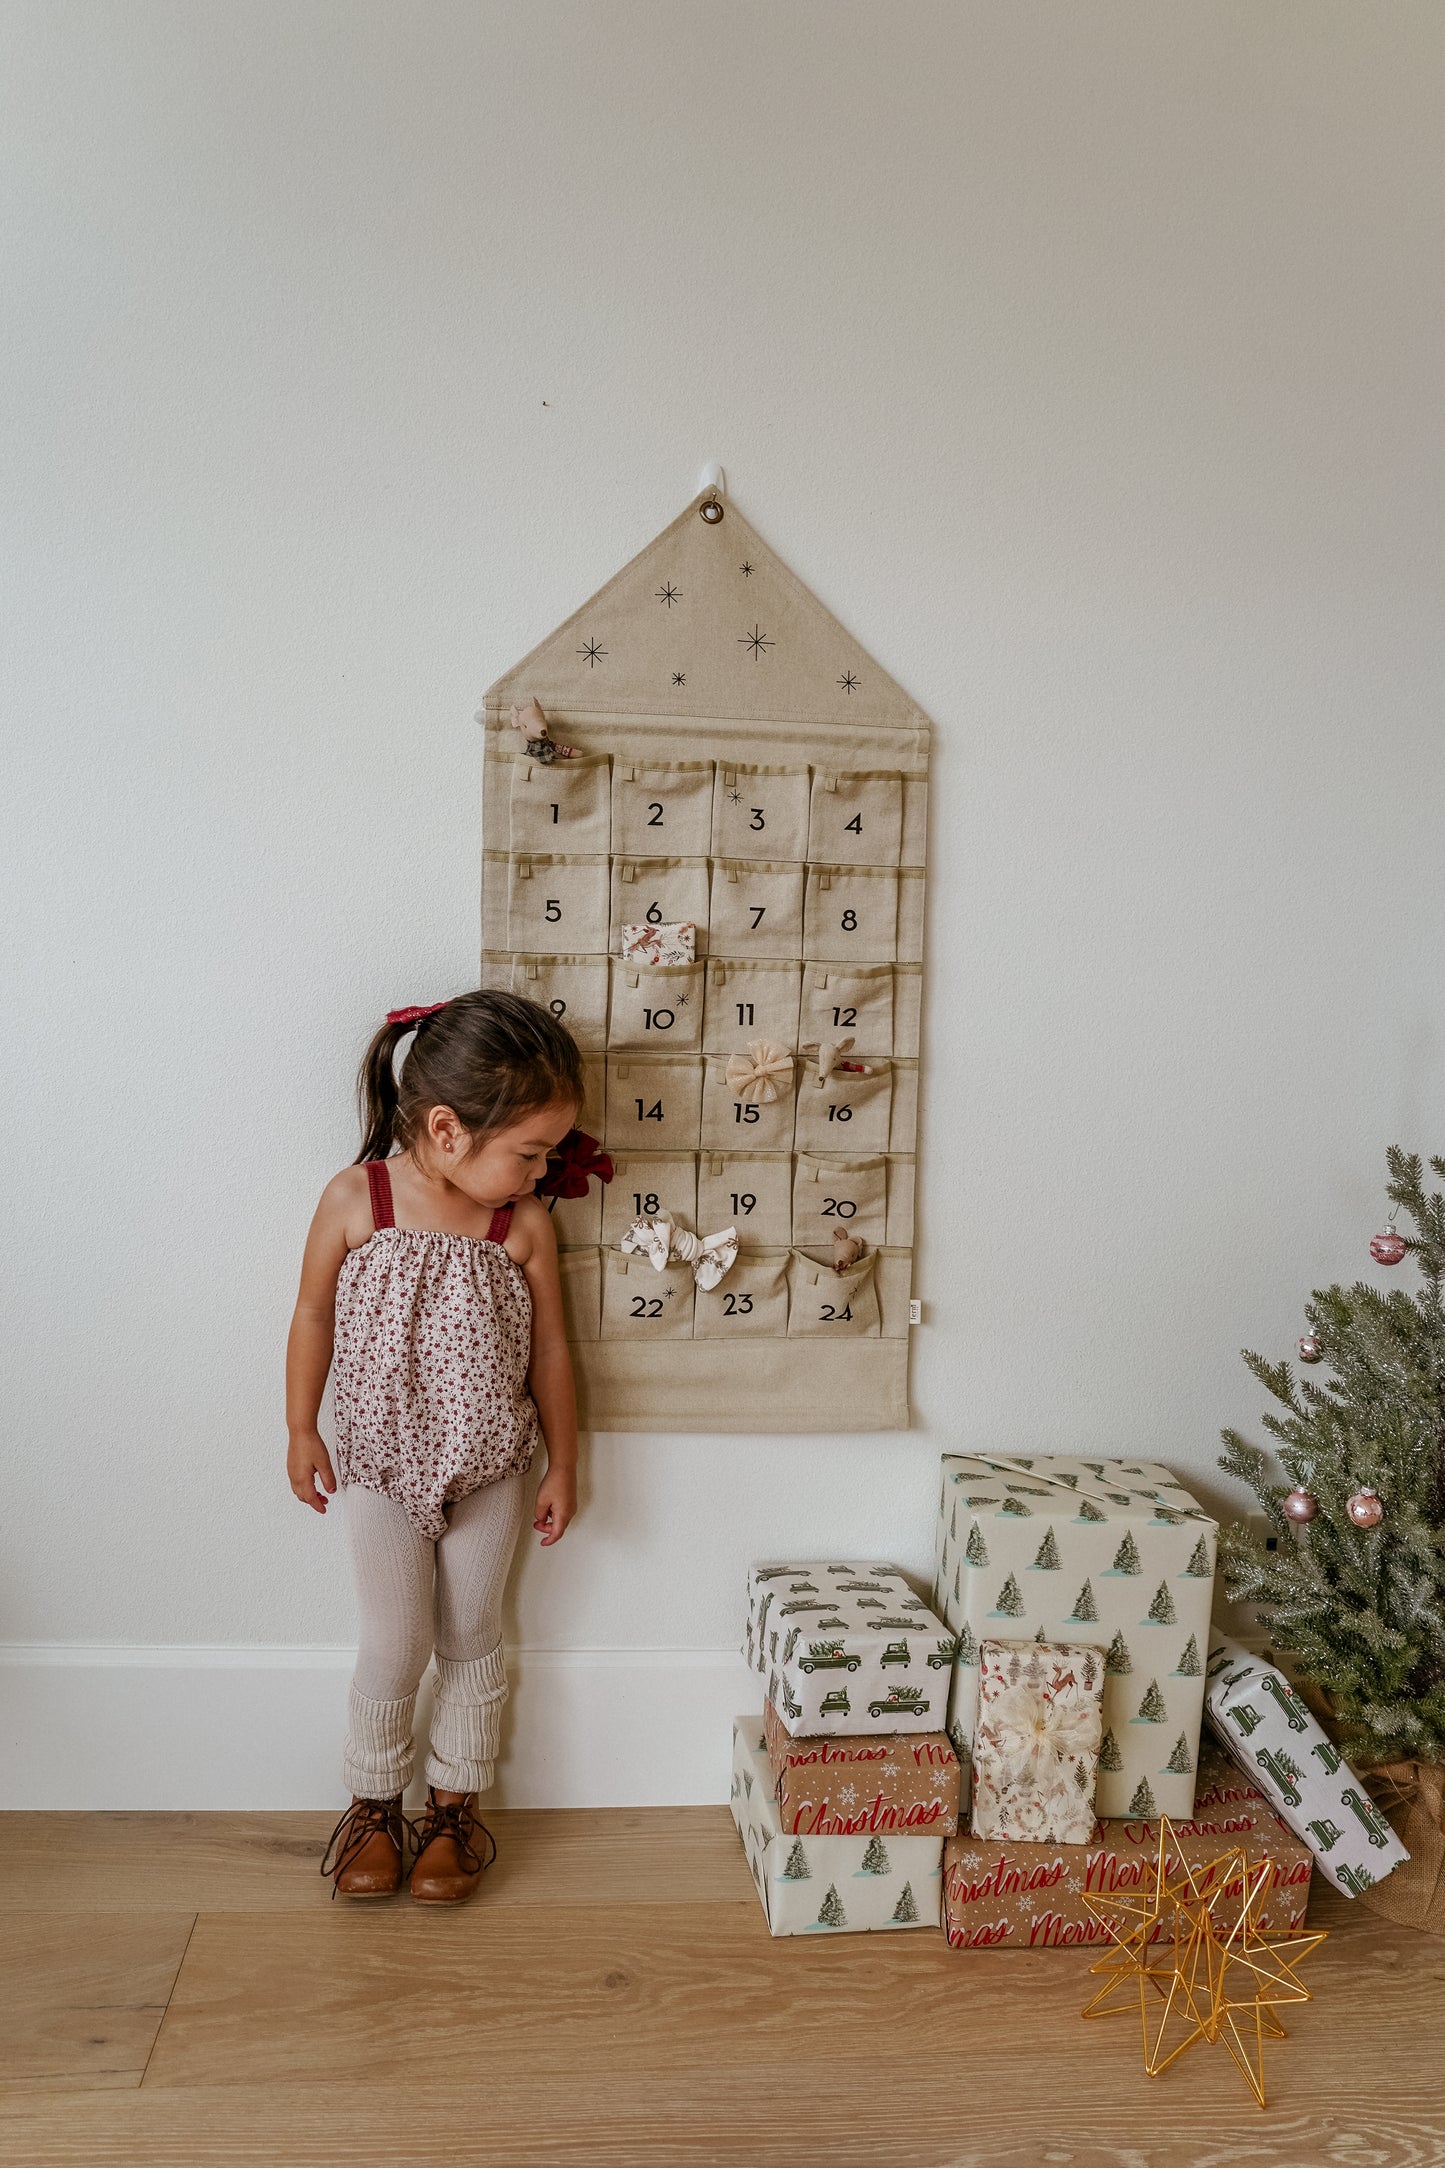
<point>1031,1896</point>
<point>904,1782</point>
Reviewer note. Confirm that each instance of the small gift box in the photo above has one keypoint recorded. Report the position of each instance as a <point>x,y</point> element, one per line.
<point>847,1648</point>
<point>1036,1749</point>
<point>902,1783</point>
<point>665,944</point>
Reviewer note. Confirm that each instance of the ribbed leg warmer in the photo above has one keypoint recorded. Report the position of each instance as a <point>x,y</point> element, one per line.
<point>466,1723</point>
<point>379,1757</point>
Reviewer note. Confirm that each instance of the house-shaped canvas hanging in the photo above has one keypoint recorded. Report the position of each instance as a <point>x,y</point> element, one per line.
<point>719,888</point>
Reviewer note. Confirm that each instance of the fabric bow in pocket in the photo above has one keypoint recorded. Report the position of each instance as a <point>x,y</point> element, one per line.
<point>757,1076</point>
<point>661,1239</point>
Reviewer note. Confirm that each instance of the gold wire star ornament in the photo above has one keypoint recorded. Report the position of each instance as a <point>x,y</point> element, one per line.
<point>1185,1991</point>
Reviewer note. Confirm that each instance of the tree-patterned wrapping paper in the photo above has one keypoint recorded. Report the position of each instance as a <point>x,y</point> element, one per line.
<point>847,1648</point>
<point>904,1782</point>
<point>1113,1554</point>
<point>1036,1747</point>
<point>827,1885</point>
<point>1272,1735</point>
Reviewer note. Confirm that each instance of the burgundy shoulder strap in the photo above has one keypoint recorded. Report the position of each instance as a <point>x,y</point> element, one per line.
<point>501,1221</point>
<point>378,1181</point>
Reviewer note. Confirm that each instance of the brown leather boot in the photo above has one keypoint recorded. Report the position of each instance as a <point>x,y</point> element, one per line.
<point>366,1852</point>
<point>452,1848</point>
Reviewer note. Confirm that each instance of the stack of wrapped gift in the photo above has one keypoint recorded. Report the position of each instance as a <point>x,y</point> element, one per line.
<point>845,1790</point>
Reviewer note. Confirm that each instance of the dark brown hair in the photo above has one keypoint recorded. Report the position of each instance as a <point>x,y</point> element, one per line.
<point>492,1058</point>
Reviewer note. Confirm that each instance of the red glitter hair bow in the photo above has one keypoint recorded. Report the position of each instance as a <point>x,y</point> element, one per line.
<point>576,1158</point>
<point>414,1016</point>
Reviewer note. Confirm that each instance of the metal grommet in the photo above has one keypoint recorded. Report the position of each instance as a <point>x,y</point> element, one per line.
<point>711,511</point>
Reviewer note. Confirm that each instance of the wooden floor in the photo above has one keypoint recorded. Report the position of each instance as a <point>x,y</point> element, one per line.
<point>177,1989</point>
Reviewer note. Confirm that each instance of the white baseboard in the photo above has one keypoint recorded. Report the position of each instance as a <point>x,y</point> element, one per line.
<point>207,1727</point>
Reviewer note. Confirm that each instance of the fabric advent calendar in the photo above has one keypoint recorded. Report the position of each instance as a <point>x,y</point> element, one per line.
<point>743,777</point>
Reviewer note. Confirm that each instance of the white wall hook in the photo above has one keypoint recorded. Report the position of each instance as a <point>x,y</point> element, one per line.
<point>712,477</point>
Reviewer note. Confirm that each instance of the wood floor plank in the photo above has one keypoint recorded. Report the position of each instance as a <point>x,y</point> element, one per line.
<point>81,1999</point>
<point>267,1862</point>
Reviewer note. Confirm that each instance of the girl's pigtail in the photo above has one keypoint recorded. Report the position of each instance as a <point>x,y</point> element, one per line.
<point>376,1093</point>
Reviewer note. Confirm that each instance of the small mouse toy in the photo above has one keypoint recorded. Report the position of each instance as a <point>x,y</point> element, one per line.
<point>847,1249</point>
<point>532,723</point>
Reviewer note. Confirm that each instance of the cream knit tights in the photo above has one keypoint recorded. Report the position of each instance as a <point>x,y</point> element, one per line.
<point>415,1594</point>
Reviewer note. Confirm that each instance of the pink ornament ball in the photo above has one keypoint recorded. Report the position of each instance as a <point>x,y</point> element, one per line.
<point>1301,1506</point>
<point>1311,1349</point>
<point>1365,1508</point>
<point>1388,1248</point>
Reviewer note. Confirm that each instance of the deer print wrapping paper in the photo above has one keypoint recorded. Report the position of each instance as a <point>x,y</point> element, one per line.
<point>1271,1734</point>
<point>847,1648</point>
<point>827,1885</point>
<point>743,812</point>
<point>1115,1555</point>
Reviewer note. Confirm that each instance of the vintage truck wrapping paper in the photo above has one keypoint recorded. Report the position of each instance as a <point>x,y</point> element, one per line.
<point>847,1649</point>
<point>1036,1745</point>
<point>901,1783</point>
<point>1272,1735</point>
<point>827,1885</point>
<point>1000,1895</point>
<point>1113,1554</point>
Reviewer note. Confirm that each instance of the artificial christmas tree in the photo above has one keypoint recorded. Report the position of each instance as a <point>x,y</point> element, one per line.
<point>1358,1603</point>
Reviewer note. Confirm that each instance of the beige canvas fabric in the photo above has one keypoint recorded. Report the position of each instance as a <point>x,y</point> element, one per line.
<point>745,765</point>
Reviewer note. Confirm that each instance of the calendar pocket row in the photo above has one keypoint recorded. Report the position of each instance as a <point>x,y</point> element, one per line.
<point>782,1293</point>
<point>592,805</point>
<point>772,1198</point>
<point>561,903</point>
<point>679,1103</point>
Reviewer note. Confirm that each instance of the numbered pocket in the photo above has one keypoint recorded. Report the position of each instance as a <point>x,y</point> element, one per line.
<point>900,1203</point>
<point>656,1005</point>
<point>662,811</point>
<point>659,892</point>
<point>645,1184</point>
<point>893,1279</point>
<point>856,820</point>
<point>641,1304</point>
<point>757,908</point>
<point>851,914</point>
<point>754,1000</point>
<point>910,916</point>
<point>760,812</point>
<point>571,988</point>
<point>564,806</point>
<point>728,1122</point>
<point>833,1194</point>
<point>750,1304</point>
<point>907,1007</point>
<point>848,1110</point>
<point>751,1191</point>
<point>653,1102</point>
<point>580,1272</point>
<point>557,906</point>
<point>903,1127</point>
<point>592,1117</point>
<point>823,1303</point>
<point>841,1004</point>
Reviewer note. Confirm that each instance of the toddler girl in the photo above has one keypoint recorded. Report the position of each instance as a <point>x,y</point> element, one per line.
<point>431,1279</point>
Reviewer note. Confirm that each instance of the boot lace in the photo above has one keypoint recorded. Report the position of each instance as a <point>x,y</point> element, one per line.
<point>357,1826</point>
<point>459,1821</point>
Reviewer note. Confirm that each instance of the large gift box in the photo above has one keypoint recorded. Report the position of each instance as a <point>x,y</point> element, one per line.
<point>1113,1553</point>
<point>905,1783</point>
<point>847,1649</point>
<point>1031,1896</point>
<point>1276,1740</point>
<point>827,1885</point>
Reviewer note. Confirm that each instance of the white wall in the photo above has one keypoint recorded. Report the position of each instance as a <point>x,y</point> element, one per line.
<point>1086,359</point>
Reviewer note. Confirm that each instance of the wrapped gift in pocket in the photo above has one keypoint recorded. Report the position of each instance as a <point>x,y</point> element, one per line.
<point>849,1109</point>
<point>557,906</point>
<point>753,1190</point>
<point>747,1099</point>
<point>856,820</point>
<point>571,988</point>
<point>749,1303</point>
<point>659,892</point>
<point>1036,1748</point>
<point>656,1005</point>
<point>824,1304</point>
<point>760,812</point>
<point>660,945</point>
<point>839,1194</point>
<point>561,805</point>
<point>639,1303</point>
<point>653,1101</point>
<point>756,999</point>
<point>662,808</point>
